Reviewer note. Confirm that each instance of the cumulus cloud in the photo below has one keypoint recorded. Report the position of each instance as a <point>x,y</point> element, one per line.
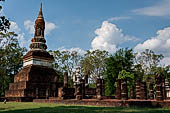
<point>29,26</point>
<point>159,44</point>
<point>119,18</point>
<point>49,26</point>
<point>159,9</point>
<point>108,37</point>
<point>78,50</point>
<point>15,28</point>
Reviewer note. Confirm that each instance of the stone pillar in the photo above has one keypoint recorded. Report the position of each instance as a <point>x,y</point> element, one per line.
<point>118,89</point>
<point>138,96</point>
<point>78,92</point>
<point>124,90</point>
<point>103,87</point>
<point>151,92</point>
<point>163,87</point>
<point>167,89</point>
<point>99,89</point>
<point>132,92</point>
<point>66,79</point>
<point>159,92</point>
<point>82,82</point>
<point>143,90</point>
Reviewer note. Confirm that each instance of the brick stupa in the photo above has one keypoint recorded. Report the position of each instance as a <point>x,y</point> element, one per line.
<point>37,79</point>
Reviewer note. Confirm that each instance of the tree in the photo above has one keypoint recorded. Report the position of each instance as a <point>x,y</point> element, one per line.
<point>66,61</point>
<point>164,71</point>
<point>93,64</point>
<point>7,44</point>
<point>147,62</point>
<point>10,59</point>
<point>125,75</point>
<point>121,60</point>
<point>4,23</point>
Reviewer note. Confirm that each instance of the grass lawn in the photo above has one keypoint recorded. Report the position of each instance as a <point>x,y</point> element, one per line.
<point>30,107</point>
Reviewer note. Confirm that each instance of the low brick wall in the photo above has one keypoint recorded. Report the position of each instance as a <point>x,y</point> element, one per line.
<point>109,102</point>
<point>19,99</point>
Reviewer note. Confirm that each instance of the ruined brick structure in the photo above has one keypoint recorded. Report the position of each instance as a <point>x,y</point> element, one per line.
<point>124,90</point>
<point>159,87</point>
<point>37,79</point>
<point>143,90</point>
<point>118,89</point>
<point>151,92</point>
<point>99,89</point>
<point>138,95</point>
<point>132,92</point>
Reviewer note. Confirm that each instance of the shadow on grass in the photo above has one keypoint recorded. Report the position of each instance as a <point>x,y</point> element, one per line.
<point>86,109</point>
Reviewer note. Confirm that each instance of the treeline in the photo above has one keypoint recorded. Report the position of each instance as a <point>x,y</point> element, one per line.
<point>124,63</point>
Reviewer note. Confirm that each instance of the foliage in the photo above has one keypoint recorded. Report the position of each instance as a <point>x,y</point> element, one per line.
<point>4,23</point>
<point>65,61</point>
<point>121,60</point>
<point>93,64</point>
<point>10,59</point>
<point>164,71</point>
<point>125,75</point>
<point>10,54</point>
<point>146,63</point>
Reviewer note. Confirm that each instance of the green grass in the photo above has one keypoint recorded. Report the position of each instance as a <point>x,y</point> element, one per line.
<point>14,107</point>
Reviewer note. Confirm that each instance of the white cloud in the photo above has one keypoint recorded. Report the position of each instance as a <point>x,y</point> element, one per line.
<point>159,9</point>
<point>108,37</point>
<point>15,28</point>
<point>29,26</point>
<point>119,18</point>
<point>49,26</point>
<point>159,44</point>
<point>78,50</point>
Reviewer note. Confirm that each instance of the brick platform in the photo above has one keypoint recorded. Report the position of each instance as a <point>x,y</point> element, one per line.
<point>109,102</point>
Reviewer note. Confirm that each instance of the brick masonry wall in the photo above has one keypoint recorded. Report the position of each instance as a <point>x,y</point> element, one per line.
<point>109,102</point>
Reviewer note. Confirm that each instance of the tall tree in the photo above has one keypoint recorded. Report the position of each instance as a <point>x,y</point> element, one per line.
<point>147,62</point>
<point>66,61</point>
<point>121,60</point>
<point>10,59</point>
<point>10,54</point>
<point>93,64</point>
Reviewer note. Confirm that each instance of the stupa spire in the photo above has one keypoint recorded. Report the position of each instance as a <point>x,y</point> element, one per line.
<point>40,15</point>
<point>38,42</point>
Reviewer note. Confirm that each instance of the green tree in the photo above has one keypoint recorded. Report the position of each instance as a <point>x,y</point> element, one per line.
<point>66,61</point>
<point>10,59</point>
<point>121,60</point>
<point>93,64</point>
<point>146,63</point>
<point>164,71</point>
<point>125,75</point>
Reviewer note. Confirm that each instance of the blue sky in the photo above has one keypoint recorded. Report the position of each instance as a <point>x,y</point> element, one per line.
<point>95,24</point>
